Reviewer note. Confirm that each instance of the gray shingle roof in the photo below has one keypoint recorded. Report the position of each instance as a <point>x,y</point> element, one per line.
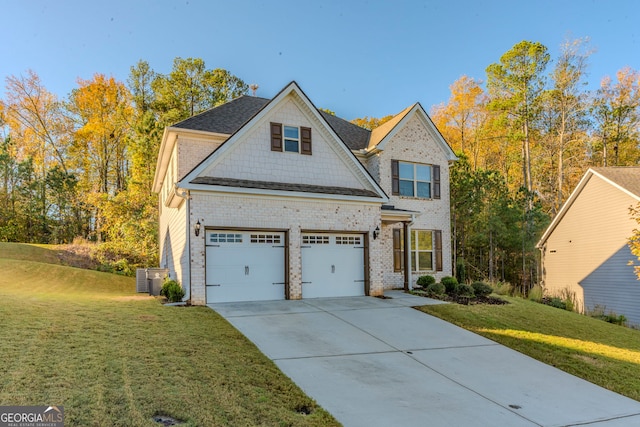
<point>627,177</point>
<point>230,117</point>
<point>284,186</point>
<point>226,118</point>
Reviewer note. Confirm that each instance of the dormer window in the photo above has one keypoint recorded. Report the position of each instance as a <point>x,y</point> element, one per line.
<point>291,139</point>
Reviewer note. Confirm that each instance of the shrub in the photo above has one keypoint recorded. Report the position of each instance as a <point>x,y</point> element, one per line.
<point>598,312</point>
<point>481,289</point>
<point>425,281</point>
<point>569,299</point>
<point>536,293</point>
<point>435,289</point>
<point>450,284</point>
<point>556,302</point>
<point>172,290</point>
<point>464,290</point>
<point>502,288</point>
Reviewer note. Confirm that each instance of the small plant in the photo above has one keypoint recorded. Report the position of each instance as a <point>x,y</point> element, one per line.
<point>425,281</point>
<point>569,299</point>
<point>598,312</point>
<point>502,288</point>
<point>536,293</point>
<point>464,290</point>
<point>481,289</point>
<point>450,284</point>
<point>172,290</point>
<point>555,302</point>
<point>435,289</point>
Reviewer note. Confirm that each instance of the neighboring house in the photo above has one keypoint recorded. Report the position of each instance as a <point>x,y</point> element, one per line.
<point>271,198</point>
<point>585,248</point>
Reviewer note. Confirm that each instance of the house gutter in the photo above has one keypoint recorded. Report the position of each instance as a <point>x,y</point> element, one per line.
<point>186,195</point>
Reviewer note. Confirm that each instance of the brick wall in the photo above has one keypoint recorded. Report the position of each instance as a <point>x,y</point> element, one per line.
<point>289,214</point>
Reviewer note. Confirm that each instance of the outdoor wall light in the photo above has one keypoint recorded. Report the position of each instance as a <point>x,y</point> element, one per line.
<point>376,233</point>
<point>196,228</point>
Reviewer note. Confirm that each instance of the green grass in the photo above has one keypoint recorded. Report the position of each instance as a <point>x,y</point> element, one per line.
<point>599,352</point>
<point>85,340</point>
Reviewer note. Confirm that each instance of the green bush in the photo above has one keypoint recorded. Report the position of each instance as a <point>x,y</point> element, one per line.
<point>556,302</point>
<point>172,290</point>
<point>450,284</point>
<point>481,289</point>
<point>598,312</point>
<point>425,281</point>
<point>435,289</point>
<point>464,290</point>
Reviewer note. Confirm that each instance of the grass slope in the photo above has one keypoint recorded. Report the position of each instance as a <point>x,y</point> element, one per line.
<point>85,340</point>
<point>602,353</point>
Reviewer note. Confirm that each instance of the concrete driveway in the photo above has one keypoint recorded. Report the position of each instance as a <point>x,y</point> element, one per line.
<point>378,362</point>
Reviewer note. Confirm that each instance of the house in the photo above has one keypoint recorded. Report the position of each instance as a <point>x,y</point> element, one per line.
<point>264,199</point>
<point>584,249</point>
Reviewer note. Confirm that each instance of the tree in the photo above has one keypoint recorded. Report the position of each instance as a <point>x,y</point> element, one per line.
<point>565,122</point>
<point>191,88</point>
<point>616,110</point>
<point>102,109</point>
<point>462,121</point>
<point>371,122</point>
<point>515,85</point>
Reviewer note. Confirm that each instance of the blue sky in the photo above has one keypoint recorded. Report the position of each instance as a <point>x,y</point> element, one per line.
<point>355,57</point>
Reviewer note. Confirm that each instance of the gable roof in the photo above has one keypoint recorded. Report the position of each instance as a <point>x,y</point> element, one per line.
<point>382,134</point>
<point>193,180</point>
<point>623,178</point>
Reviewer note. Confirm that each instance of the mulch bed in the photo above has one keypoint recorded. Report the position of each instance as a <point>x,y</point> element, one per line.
<point>489,300</point>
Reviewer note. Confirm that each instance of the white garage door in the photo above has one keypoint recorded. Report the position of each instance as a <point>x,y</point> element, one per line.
<point>332,265</point>
<point>244,265</point>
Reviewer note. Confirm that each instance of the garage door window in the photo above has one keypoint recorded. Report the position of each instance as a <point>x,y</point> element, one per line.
<point>315,240</point>
<point>225,238</point>
<point>265,238</point>
<point>348,240</point>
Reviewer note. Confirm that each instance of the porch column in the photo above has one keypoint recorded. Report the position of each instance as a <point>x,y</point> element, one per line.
<point>407,256</point>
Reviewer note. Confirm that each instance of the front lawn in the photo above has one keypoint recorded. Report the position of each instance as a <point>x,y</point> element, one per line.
<point>599,352</point>
<point>85,340</point>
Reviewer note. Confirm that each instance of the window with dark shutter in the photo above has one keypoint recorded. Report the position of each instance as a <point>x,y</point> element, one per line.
<point>276,137</point>
<point>438,251</point>
<point>305,138</point>
<point>436,181</point>
<point>395,178</point>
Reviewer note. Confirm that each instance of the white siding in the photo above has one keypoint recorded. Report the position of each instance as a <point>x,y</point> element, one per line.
<point>174,253</point>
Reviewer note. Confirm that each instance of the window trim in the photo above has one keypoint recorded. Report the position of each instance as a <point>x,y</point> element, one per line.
<point>434,183</point>
<point>398,250</point>
<point>286,139</point>
<point>278,139</point>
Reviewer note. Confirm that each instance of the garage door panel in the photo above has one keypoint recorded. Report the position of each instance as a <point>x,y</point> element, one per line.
<point>244,266</point>
<point>332,265</point>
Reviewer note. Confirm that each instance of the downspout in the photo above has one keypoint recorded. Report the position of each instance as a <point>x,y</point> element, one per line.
<point>184,194</point>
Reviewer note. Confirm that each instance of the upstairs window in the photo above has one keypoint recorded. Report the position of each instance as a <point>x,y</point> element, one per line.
<point>415,180</point>
<point>291,139</point>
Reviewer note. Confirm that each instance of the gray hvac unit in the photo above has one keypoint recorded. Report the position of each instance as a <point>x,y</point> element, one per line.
<point>150,279</point>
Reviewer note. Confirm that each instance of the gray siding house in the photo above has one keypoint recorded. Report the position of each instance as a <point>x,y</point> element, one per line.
<point>585,249</point>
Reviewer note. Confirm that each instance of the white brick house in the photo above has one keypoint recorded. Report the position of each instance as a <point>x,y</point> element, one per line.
<point>273,199</point>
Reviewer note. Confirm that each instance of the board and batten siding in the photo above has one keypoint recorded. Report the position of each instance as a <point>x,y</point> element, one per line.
<point>587,252</point>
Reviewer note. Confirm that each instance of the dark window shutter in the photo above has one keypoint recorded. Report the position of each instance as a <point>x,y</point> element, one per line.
<point>305,139</point>
<point>395,178</point>
<point>438,238</point>
<point>276,137</point>
<point>397,249</point>
<point>436,181</point>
